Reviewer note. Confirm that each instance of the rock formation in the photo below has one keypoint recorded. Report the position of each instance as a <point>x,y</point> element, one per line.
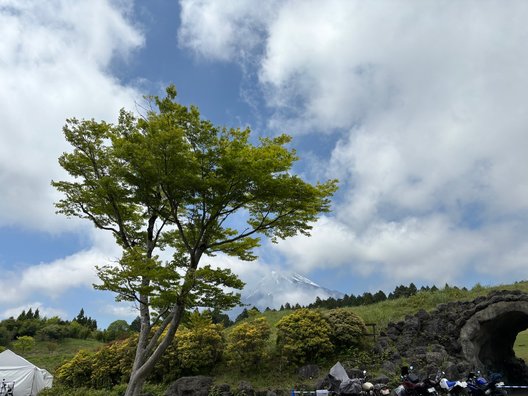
<point>459,337</point>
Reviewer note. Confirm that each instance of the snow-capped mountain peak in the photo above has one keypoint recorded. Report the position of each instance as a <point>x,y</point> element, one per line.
<point>278,288</point>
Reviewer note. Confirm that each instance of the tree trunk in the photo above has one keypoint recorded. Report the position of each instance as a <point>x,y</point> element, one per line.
<point>147,353</point>
<point>135,385</point>
<point>146,358</point>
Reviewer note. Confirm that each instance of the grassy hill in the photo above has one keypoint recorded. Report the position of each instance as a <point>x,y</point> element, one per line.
<point>387,311</point>
<point>50,356</point>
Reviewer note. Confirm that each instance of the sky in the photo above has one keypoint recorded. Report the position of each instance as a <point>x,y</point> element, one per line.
<point>418,108</point>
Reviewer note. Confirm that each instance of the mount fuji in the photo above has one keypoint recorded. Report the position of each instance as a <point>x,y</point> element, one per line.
<point>278,288</point>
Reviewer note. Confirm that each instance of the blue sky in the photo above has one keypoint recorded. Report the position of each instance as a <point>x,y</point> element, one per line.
<point>418,108</point>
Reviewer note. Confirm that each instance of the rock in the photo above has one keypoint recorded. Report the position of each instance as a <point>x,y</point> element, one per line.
<point>190,386</point>
<point>389,367</point>
<point>224,390</point>
<point>245,389</point>
<point>422,315</point>
<point>435,358</point>
<point>457,332</point>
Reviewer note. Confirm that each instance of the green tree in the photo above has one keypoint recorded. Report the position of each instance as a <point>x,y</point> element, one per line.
<point>22,315</point>
<point>303,337</point>
<point>116,330</point>
<point>52,332</point>
<point>24,343</point>
<point>219,317</point>
<point>5,336</point>
<point>347,328</point>
<point>135,325</point>
<point>170,179</point>
<point>242,315</point>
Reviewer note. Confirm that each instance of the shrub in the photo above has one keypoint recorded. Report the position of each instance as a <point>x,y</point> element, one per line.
<point>200,345</point>
<point>347,328</point>
<point>76,372</point>
<point>247,344</point>
<point>111,364</point>
<point>52,332</point>
<point>24,343</point>
<point>303,337</point>
<point>196,348</point>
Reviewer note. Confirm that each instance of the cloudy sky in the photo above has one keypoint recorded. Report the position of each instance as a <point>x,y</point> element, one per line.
<point>416,107</point>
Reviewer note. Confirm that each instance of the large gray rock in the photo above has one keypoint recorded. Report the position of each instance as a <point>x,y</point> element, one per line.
<point>190,386</point>
<point>245,389</point>
<point>457,336</point>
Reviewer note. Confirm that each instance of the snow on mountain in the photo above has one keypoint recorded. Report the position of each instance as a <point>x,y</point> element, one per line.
<point>278,288</point>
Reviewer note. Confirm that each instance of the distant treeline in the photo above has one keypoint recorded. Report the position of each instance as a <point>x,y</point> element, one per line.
<point>352,300</point>
<point>369,298</point>
<point>31,324</point>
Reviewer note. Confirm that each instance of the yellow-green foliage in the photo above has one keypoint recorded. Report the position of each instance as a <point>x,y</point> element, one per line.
<point>105,368</point>
<point>76,372</point>
<point>247,344</point>
<point>200,345</point>
<point>348,329</point>
<point>24,343</point>
<point>304,337</point>
<point>197,347</point>
<point>112,364</point>
<point>521,345</point>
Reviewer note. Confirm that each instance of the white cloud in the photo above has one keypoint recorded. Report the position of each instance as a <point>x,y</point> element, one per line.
<point>121,311</point>
<point>427,99</point>
<point>53,279</point>
<point>55,61</point>
<point>44,311</point>
<point>223,30</point>
<point>249,272</point>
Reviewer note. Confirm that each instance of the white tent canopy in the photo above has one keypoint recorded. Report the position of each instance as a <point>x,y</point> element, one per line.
<point>28,378</point>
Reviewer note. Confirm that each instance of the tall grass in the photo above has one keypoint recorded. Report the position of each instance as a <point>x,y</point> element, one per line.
<point>50,356</point>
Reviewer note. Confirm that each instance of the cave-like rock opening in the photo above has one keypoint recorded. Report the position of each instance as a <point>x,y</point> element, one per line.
<point>487,340</point>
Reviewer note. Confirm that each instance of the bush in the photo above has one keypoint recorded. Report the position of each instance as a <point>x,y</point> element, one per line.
<point>195,350</point>
<point>303,337</point>
<point>247,344</point>
<point>200,345</point>
<point>107,367</point>
<point>111,364</point>
<point>348,329</point>
<point>24,343</point>
<point>76,372</point>
<point>52,332</point>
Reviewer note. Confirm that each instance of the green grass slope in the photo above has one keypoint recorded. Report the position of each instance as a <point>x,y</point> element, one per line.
<point>49,355</point>
<point>387,311</point>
